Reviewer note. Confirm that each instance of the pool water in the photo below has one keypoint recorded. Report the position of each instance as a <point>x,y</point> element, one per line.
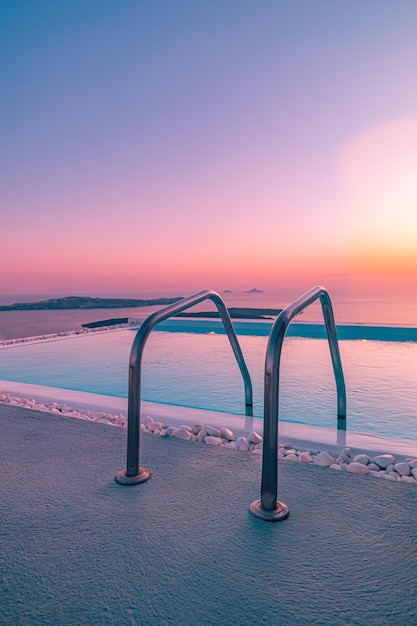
<point>199,370</point>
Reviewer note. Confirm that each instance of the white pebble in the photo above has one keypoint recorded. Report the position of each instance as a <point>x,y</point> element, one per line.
<point>227,434</point>
<point>183,433</point>
<point>305,457</point>
<point>289,451</point>
<point>242,444</point>
<point>335,466</point>
<point>212,432</point>
<point>409,479</point>
<point>103,420</point>
<point>213,441</point>
<point>343,458</point>
<point>323,459</point>
<point>414,472</point>
<point>402,468</point>
<point>357,468</point>
<point>155,427</point>
<point>413,464</point>
<point>383,460</point>
<point>361,458</point>
<point>195,429</point>
<point>291,457</point>
<point>254,437</point>
<point>170,431</point>
<point>202,434</point>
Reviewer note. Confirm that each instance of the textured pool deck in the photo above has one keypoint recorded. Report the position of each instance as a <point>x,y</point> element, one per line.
<point>182,548</point>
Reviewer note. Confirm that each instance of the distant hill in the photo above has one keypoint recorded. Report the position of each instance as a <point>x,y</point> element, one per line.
<point>254,290</point>
<point>81,302</point>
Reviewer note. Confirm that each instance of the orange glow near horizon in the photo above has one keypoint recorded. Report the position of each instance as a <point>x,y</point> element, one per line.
<point>379,168</point>
<point>243,234</point>
<point>233,149</point>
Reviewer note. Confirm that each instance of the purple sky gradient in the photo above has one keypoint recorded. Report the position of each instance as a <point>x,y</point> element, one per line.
<point>190,144</point>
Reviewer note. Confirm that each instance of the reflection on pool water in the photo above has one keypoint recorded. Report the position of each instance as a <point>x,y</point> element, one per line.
<point>199,370</point>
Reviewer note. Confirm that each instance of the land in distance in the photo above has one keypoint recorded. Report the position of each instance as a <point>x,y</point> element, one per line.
<point>82,302</point>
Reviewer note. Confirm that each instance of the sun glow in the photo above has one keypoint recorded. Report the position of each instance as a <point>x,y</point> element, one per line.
<point>380,170</point>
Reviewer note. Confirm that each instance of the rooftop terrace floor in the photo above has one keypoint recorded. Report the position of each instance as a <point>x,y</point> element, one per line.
<point>182,548</point>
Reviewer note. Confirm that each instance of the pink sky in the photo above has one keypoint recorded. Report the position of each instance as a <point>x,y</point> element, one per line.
<point>184,146</point>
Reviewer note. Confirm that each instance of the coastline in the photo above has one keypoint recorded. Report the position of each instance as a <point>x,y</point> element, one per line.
<point>21,324</point>
<point>397,309</point>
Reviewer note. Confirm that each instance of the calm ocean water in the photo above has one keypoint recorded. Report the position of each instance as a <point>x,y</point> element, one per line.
<point>397,308</point>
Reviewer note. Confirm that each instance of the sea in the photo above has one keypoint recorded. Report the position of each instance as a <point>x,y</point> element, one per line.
<point>376,307</point>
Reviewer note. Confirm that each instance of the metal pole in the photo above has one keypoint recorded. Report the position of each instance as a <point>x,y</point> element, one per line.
<point>268,508</point>
<point>134,474</point>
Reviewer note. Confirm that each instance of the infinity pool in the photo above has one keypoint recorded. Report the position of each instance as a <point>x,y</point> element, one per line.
<point>199,370</point>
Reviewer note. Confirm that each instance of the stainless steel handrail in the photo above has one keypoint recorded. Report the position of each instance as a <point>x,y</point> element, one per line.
<point>268,507</point>
<point>133,473</point>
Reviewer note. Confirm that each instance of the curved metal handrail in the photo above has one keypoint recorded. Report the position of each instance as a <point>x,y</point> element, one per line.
<point>133,473</point>
<point>268,507</point>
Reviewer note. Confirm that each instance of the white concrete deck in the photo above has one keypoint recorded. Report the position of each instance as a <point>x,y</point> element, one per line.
<point>182,548</point>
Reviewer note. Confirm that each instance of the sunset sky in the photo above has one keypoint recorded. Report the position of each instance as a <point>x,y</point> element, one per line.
<point>151,145</point>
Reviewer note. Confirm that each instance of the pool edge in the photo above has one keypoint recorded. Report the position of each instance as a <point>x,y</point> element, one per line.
<point>300,435</point>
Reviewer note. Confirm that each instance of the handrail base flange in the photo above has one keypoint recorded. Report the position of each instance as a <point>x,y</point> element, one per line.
<point>280,512</point>
<point>122,479</point>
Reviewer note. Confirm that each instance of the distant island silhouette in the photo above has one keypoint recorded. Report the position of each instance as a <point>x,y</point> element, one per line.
<point>254,290</point>
<point>81,302</point>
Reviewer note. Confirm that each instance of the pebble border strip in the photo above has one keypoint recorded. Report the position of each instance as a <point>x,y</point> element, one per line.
<point>5,343</point>
<point>383,465</point>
